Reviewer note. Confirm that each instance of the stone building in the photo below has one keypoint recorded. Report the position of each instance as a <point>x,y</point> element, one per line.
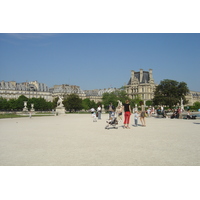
<point>141,84</point>
<point>12,90</point>
<point>193,97</point>
<point>65,89</point>
<point>96,95</point>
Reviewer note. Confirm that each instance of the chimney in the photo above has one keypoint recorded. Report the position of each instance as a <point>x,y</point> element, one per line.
<point>132,75</point>
<point>150,74</point>
<point>141,75</point>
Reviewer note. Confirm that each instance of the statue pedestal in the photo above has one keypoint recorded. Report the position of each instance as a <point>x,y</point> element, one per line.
<point>25,109</point>
<point>60,110</point>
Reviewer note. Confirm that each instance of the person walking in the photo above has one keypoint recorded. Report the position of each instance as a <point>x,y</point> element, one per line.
<point>110,110</point>
<point>127,114</point>
<point>188,114</point>
<point>149,112</point>
<point>99,112</point>
<point>179,116</point>
<point>30,114</point>
<point>142,118</point>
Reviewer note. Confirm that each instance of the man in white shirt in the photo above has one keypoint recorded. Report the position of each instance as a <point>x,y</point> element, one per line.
<point>99,112</point>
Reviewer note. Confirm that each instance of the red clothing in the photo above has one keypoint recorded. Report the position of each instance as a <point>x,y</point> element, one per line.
<point>127,117</point>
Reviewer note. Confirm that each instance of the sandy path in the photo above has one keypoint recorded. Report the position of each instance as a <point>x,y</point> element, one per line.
<point>75,140</point>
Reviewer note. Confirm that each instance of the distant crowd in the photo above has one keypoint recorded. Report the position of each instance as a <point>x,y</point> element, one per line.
<point>115,115</point>
<point>124,112</point>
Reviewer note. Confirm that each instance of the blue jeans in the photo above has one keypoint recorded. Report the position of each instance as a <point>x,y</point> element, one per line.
<point>136,122</point>
<point>99,115</point>
<point>110,113</point>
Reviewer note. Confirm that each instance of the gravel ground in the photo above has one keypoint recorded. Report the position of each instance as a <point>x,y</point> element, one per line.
<point>75,140</point>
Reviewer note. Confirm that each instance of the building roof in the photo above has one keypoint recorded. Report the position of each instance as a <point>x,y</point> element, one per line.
<point>145,77</point>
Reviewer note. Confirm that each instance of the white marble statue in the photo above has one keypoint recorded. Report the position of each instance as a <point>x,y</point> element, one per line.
<point>182,107</point>
<point>59,102</point>
<point>119,103</point>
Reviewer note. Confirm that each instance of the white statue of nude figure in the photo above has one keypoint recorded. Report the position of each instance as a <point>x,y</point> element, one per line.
<point>119,103</point>
<point>59,102</point>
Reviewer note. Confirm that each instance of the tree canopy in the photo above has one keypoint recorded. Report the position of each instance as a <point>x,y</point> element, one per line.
<point>169,92</point>
<point>196,105</point>
<point>113,97</point>
<point>73,102</point>
<point>18,104</point>
<point>119,95</point>
<point>88,104</point>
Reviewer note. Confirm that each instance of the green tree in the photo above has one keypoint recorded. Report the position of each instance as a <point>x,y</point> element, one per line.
<point>93,104</point>
<point>88,104</point>
<point>149,103</point>
<point>121,95</point>
<point>73,102</point>
<point>20,102</point>
<point>41,104</point>
<point>3,104</point>
<point>49,105</point>
<point>12,104</point>
<point>113,97</point>
<point>85,104</point>
<point>34,101</point>
<point>136,100</point>
<point>196,105</point>
<point>109,98</point>
<point>170,92</point>
<point>54,103</point>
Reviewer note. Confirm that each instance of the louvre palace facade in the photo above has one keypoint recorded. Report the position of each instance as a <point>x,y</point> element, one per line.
<point>140,84</point>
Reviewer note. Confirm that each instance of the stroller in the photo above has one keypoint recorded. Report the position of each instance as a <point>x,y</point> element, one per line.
<point>112,123</point>
<point>191,117</point>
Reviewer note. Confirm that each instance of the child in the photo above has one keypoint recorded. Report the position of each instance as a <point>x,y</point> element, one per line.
<point>111,118</point>
<point>136,115</point>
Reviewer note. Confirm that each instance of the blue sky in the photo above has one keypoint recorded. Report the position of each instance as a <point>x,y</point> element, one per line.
<point>94,61</point>
<point>99,60</point>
